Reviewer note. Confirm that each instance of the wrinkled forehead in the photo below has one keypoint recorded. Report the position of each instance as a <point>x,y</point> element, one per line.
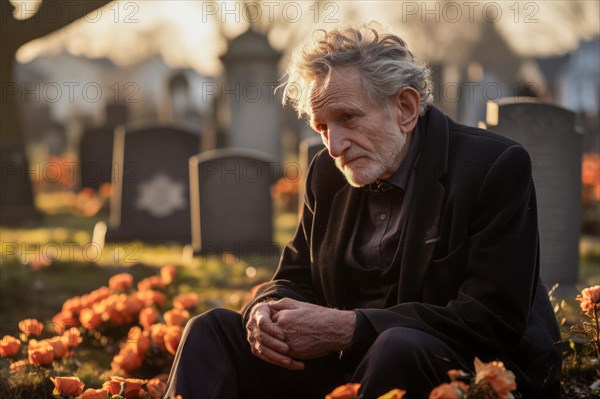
<point>342,84</point>
<point>320,90</point>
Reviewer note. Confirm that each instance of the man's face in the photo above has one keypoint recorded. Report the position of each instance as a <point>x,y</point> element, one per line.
<point>364,139</point>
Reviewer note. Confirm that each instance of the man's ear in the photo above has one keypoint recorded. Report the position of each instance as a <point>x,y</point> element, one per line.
<point>407,103</point>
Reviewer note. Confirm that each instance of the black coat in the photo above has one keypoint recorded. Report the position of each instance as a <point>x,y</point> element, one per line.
<point>469,270</point>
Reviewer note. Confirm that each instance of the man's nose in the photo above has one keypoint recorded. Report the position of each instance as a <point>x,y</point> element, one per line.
<point>338,142</point>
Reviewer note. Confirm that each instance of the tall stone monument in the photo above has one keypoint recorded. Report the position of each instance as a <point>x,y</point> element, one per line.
<point>549,135</point>
<point>251,77</point>
<point>96,147</point>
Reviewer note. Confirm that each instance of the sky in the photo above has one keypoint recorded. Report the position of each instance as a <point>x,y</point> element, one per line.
<point>190,33</point>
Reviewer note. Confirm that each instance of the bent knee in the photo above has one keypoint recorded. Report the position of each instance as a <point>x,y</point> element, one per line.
<point>214,317</point>
<point>404,343</point>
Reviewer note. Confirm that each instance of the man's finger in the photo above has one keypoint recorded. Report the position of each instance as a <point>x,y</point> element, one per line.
<point>263,319</point>
<point>266,324</point>
<point>285,303</point>
<point>270,356</point>
<point>271,342</point>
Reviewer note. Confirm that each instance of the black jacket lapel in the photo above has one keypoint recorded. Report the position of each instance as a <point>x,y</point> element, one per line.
<point>426,205</point>
<point>342,217</point>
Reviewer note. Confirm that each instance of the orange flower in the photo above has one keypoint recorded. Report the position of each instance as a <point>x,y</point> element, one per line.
<point>121,282</point>
<point>121,311</point>
<point>126,360</point>
<point>157,335</point>
<point>64,320</point>
<point>444,391</point>
<point>285,187</point>
<point>105,190</point>
<point>132,386</point>
<point>9,346</point>
<point>150,283</point>
<point>138,341</point>
<point>71,338</point>
<point>156,388</point>
<point>42,355</point>
<point>18,366</point>
<point>454,390</point>
<point>90,319</point>
<point>148,316</point>
<point>72,305</point>
<point>185,301</point>
<point>176,317</point>
<point>130,304</point>
<point>67,385</point>
<point>590,299</point>
<point>108,309</point>
<point>91,393</point>
<point>167,274</point>
<point>152,297</point>
<point>458,375</point>
<point>95,296</point>
<point>501,380</point>
<point>59,347</point>
<point>348,391</point>
<point>393,394</point>
<point>590,171</point>
<point>172,338</point>
<point>34,344</point>
<point>590,177</point>
<point>31,327</point>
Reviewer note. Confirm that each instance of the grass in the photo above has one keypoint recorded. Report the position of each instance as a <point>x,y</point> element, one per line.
<point>31,288</point>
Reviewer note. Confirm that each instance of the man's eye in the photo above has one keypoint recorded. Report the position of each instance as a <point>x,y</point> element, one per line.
<point>347,117</point>
<point>321,127</point>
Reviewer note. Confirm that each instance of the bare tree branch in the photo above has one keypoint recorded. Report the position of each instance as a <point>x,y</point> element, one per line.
<point>50,17</point>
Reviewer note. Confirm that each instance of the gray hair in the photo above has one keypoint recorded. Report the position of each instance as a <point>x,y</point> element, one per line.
<point>385,64</point>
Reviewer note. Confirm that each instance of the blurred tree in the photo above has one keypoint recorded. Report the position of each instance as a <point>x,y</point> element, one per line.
<point>16,194</point>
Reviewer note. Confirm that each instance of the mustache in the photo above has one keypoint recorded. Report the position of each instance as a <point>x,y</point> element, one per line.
<point>348,156</point>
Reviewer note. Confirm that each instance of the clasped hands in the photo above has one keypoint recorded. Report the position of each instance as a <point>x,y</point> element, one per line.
<point>287,331</point>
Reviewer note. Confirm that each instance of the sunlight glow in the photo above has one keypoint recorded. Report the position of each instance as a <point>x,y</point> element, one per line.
<point>193,33</point>
<point>25,9</point>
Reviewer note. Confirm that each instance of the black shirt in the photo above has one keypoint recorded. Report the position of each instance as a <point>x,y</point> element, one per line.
<point>374,261</point>
<point>377,235</point>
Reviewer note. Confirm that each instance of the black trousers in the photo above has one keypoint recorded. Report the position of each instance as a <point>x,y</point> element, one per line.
<point>214,361</point>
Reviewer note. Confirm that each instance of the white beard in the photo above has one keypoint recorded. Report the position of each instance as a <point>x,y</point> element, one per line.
<point>361,172</point>
<point>366,170</point>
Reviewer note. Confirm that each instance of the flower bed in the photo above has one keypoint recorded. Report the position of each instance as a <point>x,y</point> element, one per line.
<point>139,326</point>
<point>132,322</point>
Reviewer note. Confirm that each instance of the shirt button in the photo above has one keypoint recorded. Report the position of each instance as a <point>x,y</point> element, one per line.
<point>382,216</point>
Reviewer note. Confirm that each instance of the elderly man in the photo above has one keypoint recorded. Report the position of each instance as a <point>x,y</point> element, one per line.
<point>417,249</point>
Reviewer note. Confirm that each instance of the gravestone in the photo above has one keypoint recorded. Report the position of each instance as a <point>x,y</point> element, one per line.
<point>308,149</point>
<point>150,199</point>
<point>96,148</point>
<point>116,114</point>
<point>55,138</point>
<point>251,77</point>
<point>178,98</point>
<point>548,133</point>
<point>231,203</point>
<point>95,156</point>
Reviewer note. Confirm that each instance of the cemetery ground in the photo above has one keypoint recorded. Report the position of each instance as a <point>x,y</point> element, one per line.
<point>34,288</point>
